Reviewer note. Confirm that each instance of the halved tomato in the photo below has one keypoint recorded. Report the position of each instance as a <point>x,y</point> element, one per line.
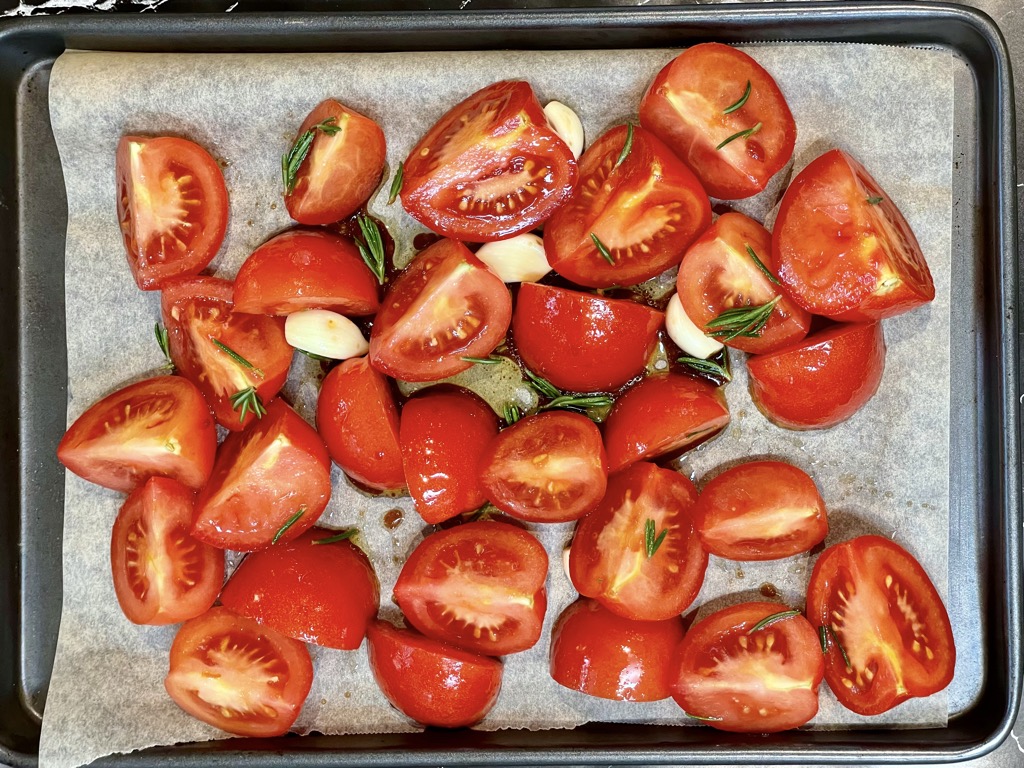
<point>172,205</point>
<point>490,168</point>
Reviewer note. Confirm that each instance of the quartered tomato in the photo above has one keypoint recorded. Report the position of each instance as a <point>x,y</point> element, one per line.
<point>746,680</point>
<point>490,168</point>
<point>644,211</point>
<point>172,205</point>
<point>724,116</point>
<point>221,351</point>
<point>445,306</point>
<point>158,427</point>
<point>887,617</point>
<point>479,586</point>
<point>343,167</point>
<point>230,672</point>
<point>843,249</point>
<point>638,553</point>
<point>161,574</point>
<point>722,271</point>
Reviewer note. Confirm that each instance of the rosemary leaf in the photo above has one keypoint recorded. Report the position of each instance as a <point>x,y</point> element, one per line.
<point>602,249</point>
<point>312,355</point>
<point>288,524</point>
<point>396,184</point>
<point>296,156</point>
<point>542,386</point>
<point>625,147</point>
<point>511,414</point>
<point>237,358</point>
<point>835,639</point>
<point>706,366</point>
<point>246,401</point>
<point>741,135</point>
<point>742,321</point>
<point>736,105</point>
<point>769,620</point>
<point>372,250</point>
<point>348,533</point>
<point>581,401</point>
<point>703,719</point>
<point>162,339</point>
<point>652,542</point>
<point>875,200</point>
<point>489,360</point>
<point>823,638</point>
<point>760,265</point>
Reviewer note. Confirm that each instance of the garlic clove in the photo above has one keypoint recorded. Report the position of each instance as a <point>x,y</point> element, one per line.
<point>567,125</point>
<point>565,561</point>
<point>325,333</point>
<point>685,333</point>
<point>519,259</point>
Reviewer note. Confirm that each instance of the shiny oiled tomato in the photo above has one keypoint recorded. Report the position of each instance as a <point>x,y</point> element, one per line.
<point>843,249</point>
<point>750,681</point>
<point>644,211</point>
<point>479,586</point>
<point>230,672</point>
<point>889,620</point>
<point>611,559</point>
<point>158,427</point>
<point>161,574</point>
<point>445,306</point>
<point>172,206</point>
<point>490,168</point>
<point>597,652</point>
<point>692,107</point>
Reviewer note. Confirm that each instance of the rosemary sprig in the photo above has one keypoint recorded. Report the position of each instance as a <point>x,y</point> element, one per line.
<point>823,638</point>
<point>707,366</point>
<point>542,386</point>
<point>163,339</point>
<point>741,135</point>
<point>348,533</point>
<point>767,621</point>
<point>312,355</point>
<point>292,161</point>
<point>372,250</point>
<point>396,184</point>
<point>625,147</point>
<point>602,249</point>
<point>258,373</point>
<point>835,639</point>
<point>760,265</point>
<point>652,542</point>
<point>579,401</point>
<point>736,105</point>
<point>288,524</point>
<point>246,401</point>
<point>489,360</point>
<point>511,414</point>
<point>873,200</point>
<point>742,321</point>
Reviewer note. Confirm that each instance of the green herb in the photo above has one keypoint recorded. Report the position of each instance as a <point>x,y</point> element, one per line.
<point>396,183</point>
<point>823,638</point>
<point>835,639</point>
<point>625,147</point>
<point>342,536</point>
<point>651,543</point>
<point>703,719</point>
<point>489,360</point>
<point>707,366</point>
<point>237,358</point>
<point>511,414</point>
<point>372,250</point>
<point>542,386</point>
<point>288,524</point>
<point>602,249</point>
<point>579,401</point>
<point>741,135</point>
<point>296,156</point>
<point>762,267</point>
<point>162,338</point>
<point>246,401</point>
<point>875,200</point>
<point>769,620</point>
<point>313,355</point>
<point>742,321</point>
<point>736,105</point>
<point>486,512</point>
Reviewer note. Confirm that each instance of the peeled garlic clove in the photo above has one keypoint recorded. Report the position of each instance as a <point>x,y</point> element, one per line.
<point>686,335</point>
<point>567,125</point>
<point>325,333</point>
<point>519,259</point>
<point>565,561</point>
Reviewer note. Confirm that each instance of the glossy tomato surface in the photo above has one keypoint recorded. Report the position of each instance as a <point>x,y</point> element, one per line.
<point>158,427</point>
<point>172,206</point>
<point>690,104</point>
<point>610,561</point>
<point>581,342</point>
<point>842,247</point>
<point>479,586</point>
<point>645,211</point>
<point>490,168</point>
<point>889,619</point>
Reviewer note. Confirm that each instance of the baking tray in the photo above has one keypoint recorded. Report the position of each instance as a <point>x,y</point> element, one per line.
<point>985,504</point>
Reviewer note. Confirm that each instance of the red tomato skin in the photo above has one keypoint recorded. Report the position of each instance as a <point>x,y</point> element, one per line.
<point>736,507</point>
<point>616,531</point>
<point>324,594</point>
<point>278,466</point>
<point>822,380</point>
<point>837,254</point>
<point>508,141</point>
<point>737,697</point>
<point>306,270</point>
<point>581,342</point>
<point>155,158</point>
<point>599,653</point>
<point>672,201</point>
<point>357,418</point>
<point>560,447</point>
<point>96,446</point>
<point>181,577</point>
<point>443,432</point>
<point>865,564</point>
<point>399,328</point>
<point>660,414</point>
<point>329,188</point>
<point>744,166</point>
<point>720,256</point>
<point>429,681</point>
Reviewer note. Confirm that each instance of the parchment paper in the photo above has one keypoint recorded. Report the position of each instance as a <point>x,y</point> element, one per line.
<point>884,471</point>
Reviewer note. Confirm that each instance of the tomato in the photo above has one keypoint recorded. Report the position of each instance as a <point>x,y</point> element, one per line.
<point>660,414</point>
<point>547,468</point>
<point>342,168</point>
<point>479,586</point>
<point>272,480</point>
<point>749,681</point>
<point>644,211</point>
<point>432,682</point>
<point>357,418</point>
<point>597,652</point>
<point>172,205</point>
<point>443,433</point>
<point>822,380</point>
<point>161,574</point>
<point>490,168</point>
<point>761,510</point>
<point>689,107</point>
<point>887,616</point>
<point>843,249</point>
<point>718,274</point>
<point>305,270</point>
<point>445,306</point>
<point>609,560</point>
<point>199,315</point>
<point>230,672</point>
<point>158,427</point>
<point>581,342</point>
